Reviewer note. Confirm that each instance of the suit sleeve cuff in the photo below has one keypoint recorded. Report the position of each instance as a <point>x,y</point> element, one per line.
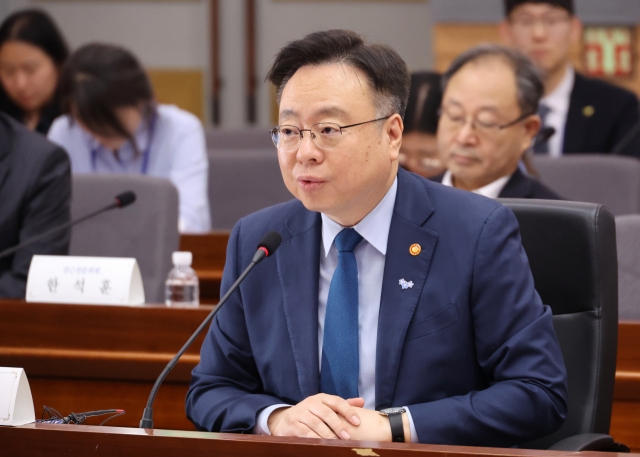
<point>261,427</point>
<point>414,434</point>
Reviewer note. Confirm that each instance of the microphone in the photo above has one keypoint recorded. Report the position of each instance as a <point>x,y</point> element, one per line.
<point>121,200</point>
<point>266,247</point>
<point>79,418</point>
<point>543,135</point>
<point>626,140</point>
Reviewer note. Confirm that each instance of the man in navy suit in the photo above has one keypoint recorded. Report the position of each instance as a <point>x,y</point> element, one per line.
<point>588,115</point>
<point>396,309</point>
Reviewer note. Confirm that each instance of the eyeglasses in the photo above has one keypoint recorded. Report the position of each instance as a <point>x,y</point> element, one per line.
<point>486,127</point>
<point>527,22</point>
<point>325,135</point>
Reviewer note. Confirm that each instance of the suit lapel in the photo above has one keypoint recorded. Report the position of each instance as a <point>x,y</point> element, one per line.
<point>576,127</point>
<point>6,138</point>
<point>397,305</point>
<point>518,186</point>
<point>298,270</point>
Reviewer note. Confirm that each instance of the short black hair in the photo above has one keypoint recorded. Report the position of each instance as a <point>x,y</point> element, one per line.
<point>386,71</point>
<point>99,78</point>
<point>529,85</point>
<point>510,5</point>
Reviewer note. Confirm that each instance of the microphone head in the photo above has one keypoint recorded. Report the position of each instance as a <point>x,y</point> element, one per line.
<point>546,133</point>
<point>125,199</point>
<point>270,242</point>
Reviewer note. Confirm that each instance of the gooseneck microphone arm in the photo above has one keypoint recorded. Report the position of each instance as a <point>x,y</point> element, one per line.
<point>122,200</point>
<point>626,140</point>
<point>266,247</point>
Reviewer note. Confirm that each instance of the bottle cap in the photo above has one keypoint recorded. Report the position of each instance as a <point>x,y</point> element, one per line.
<point>182,258</point>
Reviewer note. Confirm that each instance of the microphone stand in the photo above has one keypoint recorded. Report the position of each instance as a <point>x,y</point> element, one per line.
<point>626,140</point>
<point>122,200</point>
<point>8,252</point>
<point>147,416</point>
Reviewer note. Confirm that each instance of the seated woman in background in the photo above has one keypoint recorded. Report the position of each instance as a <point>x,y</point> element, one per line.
<point>419,150</point>
<point>32,51</point>
<point>113,125</point>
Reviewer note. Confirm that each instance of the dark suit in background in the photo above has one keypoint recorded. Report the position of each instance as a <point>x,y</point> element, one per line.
<point>35,196</point>
<point>600,114</point>
<point>521,186</point>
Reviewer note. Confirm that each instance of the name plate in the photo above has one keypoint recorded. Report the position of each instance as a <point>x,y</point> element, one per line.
<point>16,403</point>
<point>84,280</point>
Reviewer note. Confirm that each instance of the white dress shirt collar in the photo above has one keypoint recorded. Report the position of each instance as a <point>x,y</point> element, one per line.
<point>558,100</point>
<point>374,227</point>
<point>491,190</point>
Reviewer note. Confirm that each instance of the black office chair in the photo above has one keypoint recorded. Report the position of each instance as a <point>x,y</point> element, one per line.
<point>572,252</point>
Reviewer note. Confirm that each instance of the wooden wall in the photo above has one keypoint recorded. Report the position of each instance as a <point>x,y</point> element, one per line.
<point>181,87</point>
<point>450,39</point>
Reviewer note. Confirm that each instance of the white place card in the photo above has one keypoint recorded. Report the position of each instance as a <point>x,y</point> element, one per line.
<point>85,280</point>
<point>16,403</point>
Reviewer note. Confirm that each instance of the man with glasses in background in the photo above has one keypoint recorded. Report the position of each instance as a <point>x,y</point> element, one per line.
<point>396,309</point>
<point>488,122</point>
<point>588,115</point>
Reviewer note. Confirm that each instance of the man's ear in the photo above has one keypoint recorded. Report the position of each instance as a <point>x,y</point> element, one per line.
<point>532,126</point>
<point>505,32</point>
<point>393,129</point>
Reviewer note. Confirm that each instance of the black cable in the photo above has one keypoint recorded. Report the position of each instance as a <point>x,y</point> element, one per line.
<point>109,418</point>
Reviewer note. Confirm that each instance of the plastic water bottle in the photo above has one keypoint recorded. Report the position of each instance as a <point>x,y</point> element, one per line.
<point>181,286</point>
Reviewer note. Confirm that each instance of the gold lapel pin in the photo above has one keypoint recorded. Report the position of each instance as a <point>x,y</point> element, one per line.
<point>588,111</point>
<point>415,249</point>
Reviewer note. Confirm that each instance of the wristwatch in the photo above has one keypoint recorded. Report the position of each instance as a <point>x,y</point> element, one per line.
<point>395,420</point>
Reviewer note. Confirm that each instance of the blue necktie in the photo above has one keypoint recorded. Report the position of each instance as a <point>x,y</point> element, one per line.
<point>542,147</point>
<point>340,364</point>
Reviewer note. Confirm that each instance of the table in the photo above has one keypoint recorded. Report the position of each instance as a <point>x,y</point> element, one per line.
<point>87,357</point>
<point>65,440</point>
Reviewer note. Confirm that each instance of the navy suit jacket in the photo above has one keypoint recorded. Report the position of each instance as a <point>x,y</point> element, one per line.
<point>600,116</point>
<point>470,348</point>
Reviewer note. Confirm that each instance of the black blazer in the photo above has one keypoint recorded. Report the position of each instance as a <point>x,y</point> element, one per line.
<point>600,114</point>
<point>35,196</point>
<point>521,186</point>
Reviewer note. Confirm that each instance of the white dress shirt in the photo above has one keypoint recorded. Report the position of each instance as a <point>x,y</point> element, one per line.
<point>177,152</point>
<point>491,190</point>
<point>558,104</point>
<point>370,256</point>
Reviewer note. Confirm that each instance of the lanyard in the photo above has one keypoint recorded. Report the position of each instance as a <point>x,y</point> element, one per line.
<point>145,153</point>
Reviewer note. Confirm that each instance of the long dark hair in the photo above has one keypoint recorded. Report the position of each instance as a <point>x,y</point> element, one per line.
<point>34,27</point>
<point>100,78</point>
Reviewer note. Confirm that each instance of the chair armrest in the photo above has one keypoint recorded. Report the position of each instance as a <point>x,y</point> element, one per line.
<point>589,442</point>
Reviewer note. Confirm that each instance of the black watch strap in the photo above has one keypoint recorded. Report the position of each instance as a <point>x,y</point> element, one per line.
<point>397,429</point>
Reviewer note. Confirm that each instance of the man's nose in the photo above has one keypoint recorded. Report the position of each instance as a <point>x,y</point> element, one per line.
<point>467,134</point>
<point>539,30</point>
<point>307,150</point>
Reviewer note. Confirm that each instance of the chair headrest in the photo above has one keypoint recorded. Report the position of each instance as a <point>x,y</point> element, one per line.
<point>571,248</point>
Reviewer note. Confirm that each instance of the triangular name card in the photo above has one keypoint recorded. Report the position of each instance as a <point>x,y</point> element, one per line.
<point>86,280</point>
<point>16,403</point>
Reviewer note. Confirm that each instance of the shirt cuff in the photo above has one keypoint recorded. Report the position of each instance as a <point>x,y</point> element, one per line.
<point>414,434</point>
<point>262,427</point>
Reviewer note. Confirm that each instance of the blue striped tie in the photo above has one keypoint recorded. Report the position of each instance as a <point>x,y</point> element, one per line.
<point>340,363</point>
<point>542,147</point>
